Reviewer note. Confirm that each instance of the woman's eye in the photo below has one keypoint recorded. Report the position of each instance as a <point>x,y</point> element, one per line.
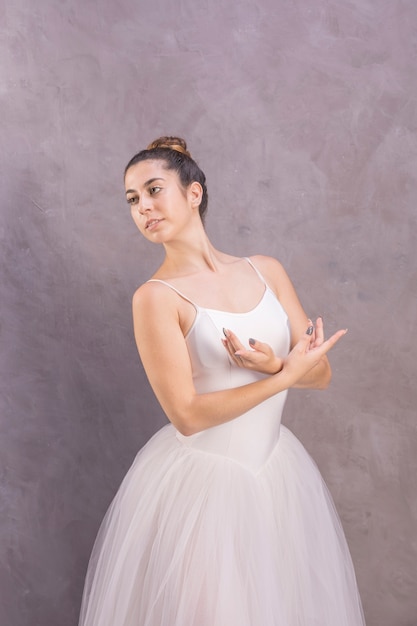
<point>154,190</point>
<point>132,200</point>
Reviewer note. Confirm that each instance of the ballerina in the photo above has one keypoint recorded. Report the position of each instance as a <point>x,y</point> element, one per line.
<point>223,518</point>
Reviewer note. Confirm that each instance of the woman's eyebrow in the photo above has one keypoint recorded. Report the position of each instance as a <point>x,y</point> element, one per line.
<point>148,182</point>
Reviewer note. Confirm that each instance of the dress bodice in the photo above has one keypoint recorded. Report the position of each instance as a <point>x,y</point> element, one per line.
<point>250,438</point>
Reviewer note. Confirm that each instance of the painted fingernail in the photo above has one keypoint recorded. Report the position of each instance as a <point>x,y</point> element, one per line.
<point>225,332</point>
<point>252,341</point>
<point>309,330</point>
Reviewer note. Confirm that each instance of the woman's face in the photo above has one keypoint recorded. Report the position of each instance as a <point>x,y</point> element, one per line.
<point>160,207</point>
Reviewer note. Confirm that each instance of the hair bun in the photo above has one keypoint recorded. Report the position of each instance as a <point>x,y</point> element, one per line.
<point>172,143</point>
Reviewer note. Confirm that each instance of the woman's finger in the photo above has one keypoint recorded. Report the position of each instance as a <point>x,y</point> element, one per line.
<point>231,352</point>
<point>259,346</point>
<point>331,341</point>
<point>319,332</point>
<point>233,339</point>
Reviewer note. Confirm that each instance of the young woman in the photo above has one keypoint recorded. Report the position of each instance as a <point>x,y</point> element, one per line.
<point>223,519</point>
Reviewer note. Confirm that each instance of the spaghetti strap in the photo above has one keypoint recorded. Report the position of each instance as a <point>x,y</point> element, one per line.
<point>158,280</point>
<point>257,271</point>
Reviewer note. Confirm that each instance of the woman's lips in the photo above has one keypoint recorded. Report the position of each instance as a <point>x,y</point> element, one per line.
<point>150,224</point>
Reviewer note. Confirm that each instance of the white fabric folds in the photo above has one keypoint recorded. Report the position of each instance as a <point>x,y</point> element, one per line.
<point>233,526</point>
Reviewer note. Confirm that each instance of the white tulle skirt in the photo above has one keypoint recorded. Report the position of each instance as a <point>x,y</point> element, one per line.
<point>196,539</point>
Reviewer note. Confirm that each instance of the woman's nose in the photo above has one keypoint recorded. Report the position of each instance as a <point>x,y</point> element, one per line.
<point>145,204</point>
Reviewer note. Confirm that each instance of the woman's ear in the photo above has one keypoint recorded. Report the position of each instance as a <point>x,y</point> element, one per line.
<point>195,191</point>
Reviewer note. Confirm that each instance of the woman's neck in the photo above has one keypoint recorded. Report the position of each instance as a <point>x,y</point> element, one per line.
<point>190,255</point>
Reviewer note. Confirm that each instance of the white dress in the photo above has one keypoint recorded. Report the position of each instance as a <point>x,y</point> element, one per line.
<point>232,526</point>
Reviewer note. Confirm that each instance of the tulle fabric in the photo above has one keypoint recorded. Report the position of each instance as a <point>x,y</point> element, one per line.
<point>194,538</point>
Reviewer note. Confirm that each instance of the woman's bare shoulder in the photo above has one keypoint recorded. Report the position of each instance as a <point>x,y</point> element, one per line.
<point>268,266</point>
<point>275,275</point>
<point>153,295</point>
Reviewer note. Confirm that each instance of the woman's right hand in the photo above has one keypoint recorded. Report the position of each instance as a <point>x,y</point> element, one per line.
<point>260,357</point>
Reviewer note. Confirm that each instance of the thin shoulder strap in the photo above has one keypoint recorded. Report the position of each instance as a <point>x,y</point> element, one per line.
<point>257,271</point>
<point>158,280</point>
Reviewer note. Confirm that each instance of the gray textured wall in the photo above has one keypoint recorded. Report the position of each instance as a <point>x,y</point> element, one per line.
<point>303,114</point>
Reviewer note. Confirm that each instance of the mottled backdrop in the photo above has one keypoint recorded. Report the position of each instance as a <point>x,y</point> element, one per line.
<point>303,114</point>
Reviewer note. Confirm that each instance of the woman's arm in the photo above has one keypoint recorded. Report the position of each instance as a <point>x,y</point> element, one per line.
<point>165,357</point>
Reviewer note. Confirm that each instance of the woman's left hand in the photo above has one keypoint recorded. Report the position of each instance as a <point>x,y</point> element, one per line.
<point>260,357</point>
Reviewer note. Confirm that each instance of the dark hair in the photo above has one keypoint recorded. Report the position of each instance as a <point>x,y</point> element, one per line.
<point>173,151</point>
